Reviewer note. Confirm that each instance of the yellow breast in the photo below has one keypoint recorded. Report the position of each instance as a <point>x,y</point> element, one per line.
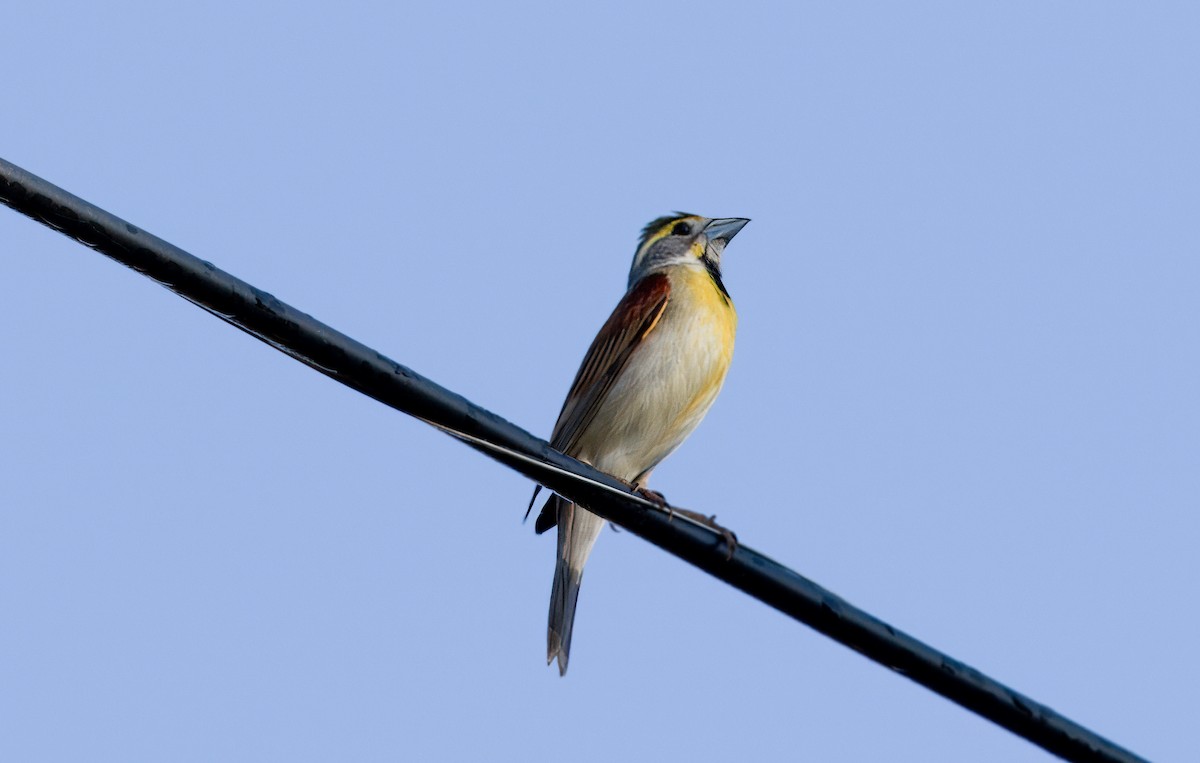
<point>708,323</point>
<point>669,383</point>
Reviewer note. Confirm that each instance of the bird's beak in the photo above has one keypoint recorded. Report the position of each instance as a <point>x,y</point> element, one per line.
<point>724,228</point>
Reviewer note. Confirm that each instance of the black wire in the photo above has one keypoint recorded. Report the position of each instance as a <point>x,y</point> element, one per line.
<point>358,366</point>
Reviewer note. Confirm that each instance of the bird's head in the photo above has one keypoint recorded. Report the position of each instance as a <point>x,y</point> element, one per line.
<point>684,239</point>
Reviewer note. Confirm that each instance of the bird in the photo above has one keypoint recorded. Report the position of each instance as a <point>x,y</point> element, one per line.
<point>647,380</point>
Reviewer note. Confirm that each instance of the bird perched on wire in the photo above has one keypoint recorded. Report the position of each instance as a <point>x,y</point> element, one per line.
<point>649,377</point>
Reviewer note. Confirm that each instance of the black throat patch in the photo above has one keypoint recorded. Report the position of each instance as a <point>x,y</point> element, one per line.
<point>711,266</point>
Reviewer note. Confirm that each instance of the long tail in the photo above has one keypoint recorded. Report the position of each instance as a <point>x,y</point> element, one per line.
<point>577,533</point>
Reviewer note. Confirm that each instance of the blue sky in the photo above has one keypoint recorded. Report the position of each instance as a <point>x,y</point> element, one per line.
<point>963,397</point>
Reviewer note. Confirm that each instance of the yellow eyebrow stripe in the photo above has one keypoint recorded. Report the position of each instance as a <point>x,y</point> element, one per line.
<point>662,233</point>
<point>665,230</point>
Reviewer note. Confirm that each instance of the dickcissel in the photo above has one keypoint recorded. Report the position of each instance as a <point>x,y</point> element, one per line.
<point>649,377</point>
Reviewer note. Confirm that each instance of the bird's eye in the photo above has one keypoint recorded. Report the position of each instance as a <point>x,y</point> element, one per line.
<point>681,229</point>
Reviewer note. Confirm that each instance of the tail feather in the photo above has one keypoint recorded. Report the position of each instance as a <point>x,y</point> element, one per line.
<point>563,598</point>
<point>577,533</point>
<point>547,518</point>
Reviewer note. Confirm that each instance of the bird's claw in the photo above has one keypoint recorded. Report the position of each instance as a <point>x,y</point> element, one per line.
<point>653,496</point>
<point>710,521</point>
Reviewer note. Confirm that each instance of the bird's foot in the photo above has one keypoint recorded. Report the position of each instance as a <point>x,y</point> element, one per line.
<point>731,541</point>
<point>710,521</point>
<point>653,496</point>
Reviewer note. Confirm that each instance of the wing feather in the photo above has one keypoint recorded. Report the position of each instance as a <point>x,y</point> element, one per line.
<point>634,317</point>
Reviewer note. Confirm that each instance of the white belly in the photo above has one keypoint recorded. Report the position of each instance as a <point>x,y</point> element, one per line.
<point>664,392</point>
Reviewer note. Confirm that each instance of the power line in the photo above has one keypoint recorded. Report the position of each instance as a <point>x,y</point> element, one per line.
<point>362,368</point>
